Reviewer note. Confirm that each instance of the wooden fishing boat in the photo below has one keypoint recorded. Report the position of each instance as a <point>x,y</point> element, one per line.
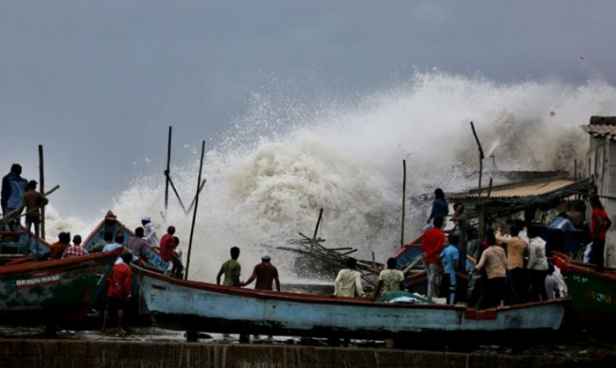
<point>14,245</point>
<point>52,292</point>
<point>196,306</point>
<point>111,224</point>
<point>593,293</point>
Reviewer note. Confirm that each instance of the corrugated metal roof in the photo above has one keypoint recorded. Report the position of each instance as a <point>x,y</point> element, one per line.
<point>601,126</point>
<point>518,190</point>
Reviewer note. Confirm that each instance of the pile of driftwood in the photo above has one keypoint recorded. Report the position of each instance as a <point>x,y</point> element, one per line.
<point>336,257</point>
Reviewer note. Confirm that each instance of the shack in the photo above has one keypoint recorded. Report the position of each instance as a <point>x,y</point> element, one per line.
<point>600,165</point>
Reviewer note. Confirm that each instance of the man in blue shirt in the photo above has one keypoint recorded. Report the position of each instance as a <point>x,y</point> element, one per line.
<point>562,222</point>
<point>439,205</point>
<point>449,257</point>
<point>119,240</point>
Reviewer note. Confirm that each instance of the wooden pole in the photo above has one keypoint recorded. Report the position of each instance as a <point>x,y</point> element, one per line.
<point>481,157</point>
<point>316,229</point>
<point>575,169</point>
<point>375,274</point>
<point>42,186</point>
<point>198,194</point>
<point>167,173</point>
<point>403,203</point>
<point>192,226</point>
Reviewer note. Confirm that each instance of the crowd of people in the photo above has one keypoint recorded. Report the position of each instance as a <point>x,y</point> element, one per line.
<point>515,267</point>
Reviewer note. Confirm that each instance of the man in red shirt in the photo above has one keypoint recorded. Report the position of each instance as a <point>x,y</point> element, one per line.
<point>119,280</point>
<point>168,243</point>
<point>599,223</point>
<point>432,246</point>
<point>56,250</point>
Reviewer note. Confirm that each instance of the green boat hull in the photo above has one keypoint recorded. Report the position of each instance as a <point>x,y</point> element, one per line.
<point>593,293</point>
<point>52,292</point>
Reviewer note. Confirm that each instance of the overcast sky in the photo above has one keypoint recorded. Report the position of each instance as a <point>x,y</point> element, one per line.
<point>99,82</point>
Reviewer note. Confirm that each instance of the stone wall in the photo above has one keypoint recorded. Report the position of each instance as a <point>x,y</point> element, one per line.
<point>125,354</point>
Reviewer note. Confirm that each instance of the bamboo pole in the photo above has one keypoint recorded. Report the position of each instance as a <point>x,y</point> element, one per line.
<point>177,195</point>
<point>481,157</point>
<point>198,194</point>
<point>403,202</point>
<point>192,226</point>
<point>42,186</point>
<point>375,274</point>
<point>167,172</point>
<point>316,229</point>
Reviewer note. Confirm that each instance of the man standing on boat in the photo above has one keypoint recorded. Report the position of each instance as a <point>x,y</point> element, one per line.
<point>432,246</point>
<point>439,205</point>
<point>599,224</point>
<point>450,256</point>
<point>348,281</point>
<point>149,231</point>
<point>494,262</point>
<point>537,265</point>
<point>13,189</point>
<point>516,249</point>
<point>265,273</point>
<point>32,202</point>
<point>231,269</point>
<point>390,280</point>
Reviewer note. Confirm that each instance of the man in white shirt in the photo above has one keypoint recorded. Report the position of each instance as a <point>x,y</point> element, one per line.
<point>537,265</point>
<point>149,231</point>
<point>348,281</point>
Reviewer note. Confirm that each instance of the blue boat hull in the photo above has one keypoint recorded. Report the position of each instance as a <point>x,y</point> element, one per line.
<point>195,306</point>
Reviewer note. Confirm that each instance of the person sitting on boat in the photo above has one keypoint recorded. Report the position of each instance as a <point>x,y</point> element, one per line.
<point>450,257</point>
<point>516,273</point>
<point>537,265</point>
<point>107,239</point>
<point>119,283</point>
<point>599,224</point>
<point>13,189</point>
<point>168,244</point>
<point>390,280</point>
<point>432,246</point>
<point>56,250</point>
<point>231,269</point>
<point>32,202</point>
<point>348,281</point>
<point>149,231</point>
<point>119,243</point>
<point>138,246</point>
<point>439,206</point>
<point>76,249</point>
<point>494,262</point>
<point>265,273</point>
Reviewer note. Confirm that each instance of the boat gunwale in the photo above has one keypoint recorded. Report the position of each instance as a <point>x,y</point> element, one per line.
<point>584,268</point>
<point>56,263</point>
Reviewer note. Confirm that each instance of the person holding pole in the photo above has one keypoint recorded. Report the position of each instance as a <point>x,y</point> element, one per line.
<point>33,201</point>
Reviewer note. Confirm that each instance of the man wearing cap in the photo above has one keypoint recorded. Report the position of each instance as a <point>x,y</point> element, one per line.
<point>167,246</point>
<point>265,273</point>
<point>149,231</point>
<point>32,202</point>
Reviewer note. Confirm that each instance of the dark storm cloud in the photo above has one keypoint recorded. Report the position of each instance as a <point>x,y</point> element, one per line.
<point>98,82</point>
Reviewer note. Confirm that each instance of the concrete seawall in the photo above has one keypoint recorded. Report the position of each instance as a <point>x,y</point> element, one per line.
<point>130,354</point>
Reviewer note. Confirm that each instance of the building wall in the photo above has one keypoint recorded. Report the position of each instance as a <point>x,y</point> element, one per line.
<point>601,163</point>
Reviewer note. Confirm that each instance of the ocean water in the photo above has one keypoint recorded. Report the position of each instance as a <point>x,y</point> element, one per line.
<point>284,159</point>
